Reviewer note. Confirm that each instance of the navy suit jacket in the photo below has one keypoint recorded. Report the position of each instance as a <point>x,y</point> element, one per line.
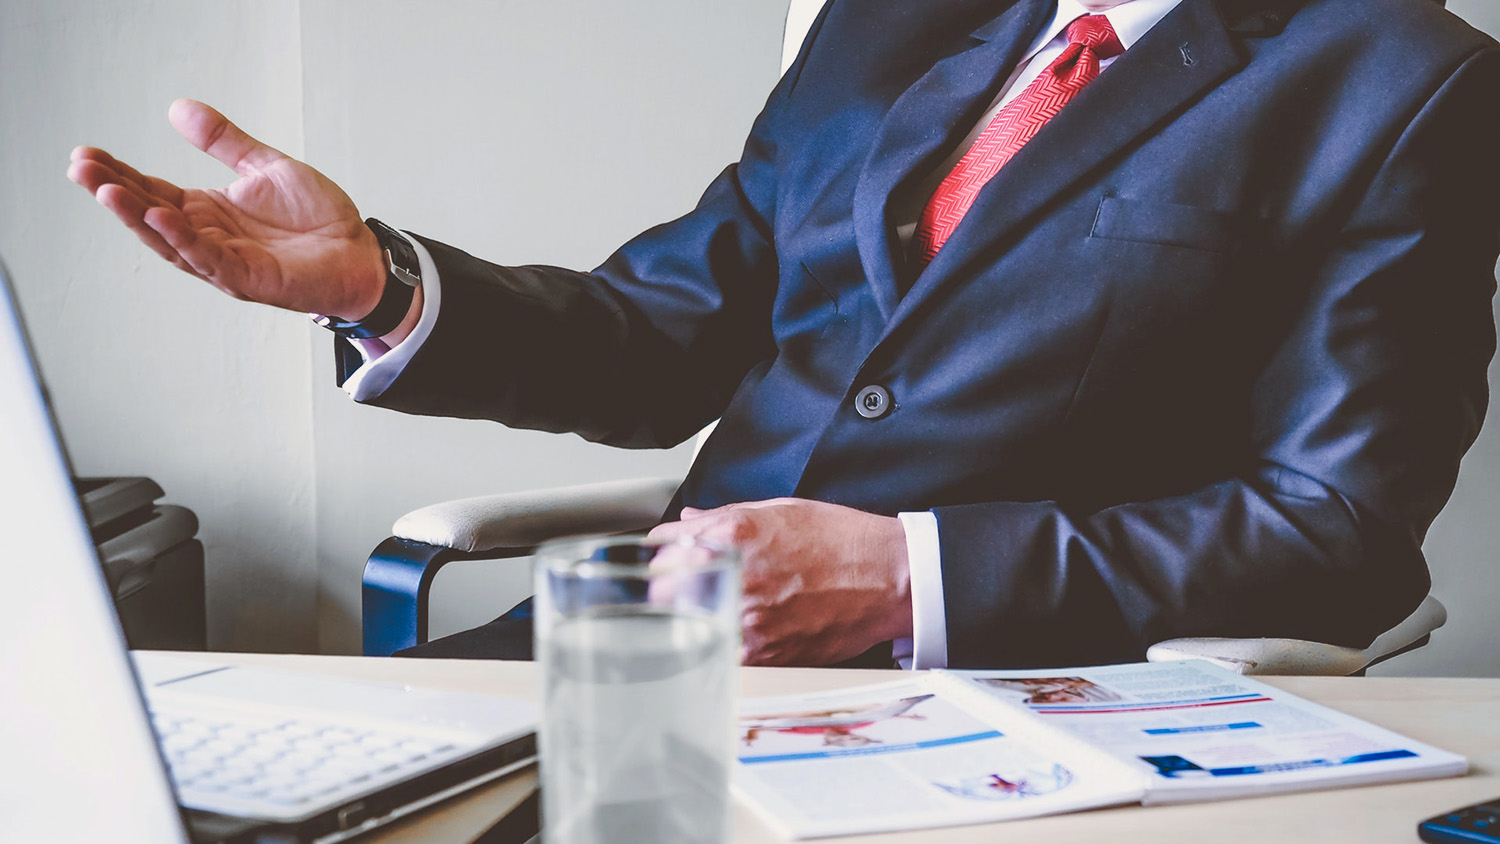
<point>1201,360</point>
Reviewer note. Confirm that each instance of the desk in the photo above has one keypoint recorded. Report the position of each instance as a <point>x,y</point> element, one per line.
<point>1458,715</point>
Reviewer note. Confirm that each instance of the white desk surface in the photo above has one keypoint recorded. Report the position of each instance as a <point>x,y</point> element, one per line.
<point>1461,715</point>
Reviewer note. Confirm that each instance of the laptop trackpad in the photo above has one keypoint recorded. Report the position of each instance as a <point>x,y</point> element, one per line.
<point>189,682</point>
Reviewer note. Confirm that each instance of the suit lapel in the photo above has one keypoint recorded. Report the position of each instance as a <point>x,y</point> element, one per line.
<point>1180,58</point>
<point>923,123</point>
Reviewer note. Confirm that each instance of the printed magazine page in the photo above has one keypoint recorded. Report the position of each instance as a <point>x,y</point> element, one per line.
<point>1199,732</point>
<point>901,756</point>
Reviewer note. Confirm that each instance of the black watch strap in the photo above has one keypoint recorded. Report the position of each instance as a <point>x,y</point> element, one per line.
<point>403,275</point>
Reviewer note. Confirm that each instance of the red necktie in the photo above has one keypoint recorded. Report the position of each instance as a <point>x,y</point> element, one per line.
<point>1090,40</point>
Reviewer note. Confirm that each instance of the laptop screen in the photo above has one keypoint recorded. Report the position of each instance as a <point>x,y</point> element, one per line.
<point>78,759</point>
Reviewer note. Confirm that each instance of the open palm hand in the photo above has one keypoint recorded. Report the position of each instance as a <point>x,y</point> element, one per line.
<point>283,234</point>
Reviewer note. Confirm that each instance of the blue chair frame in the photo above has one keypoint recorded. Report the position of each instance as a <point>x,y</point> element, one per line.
<point>397,582</point>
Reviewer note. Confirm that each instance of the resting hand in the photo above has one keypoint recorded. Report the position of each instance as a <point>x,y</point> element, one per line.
<point>283,234</point>
<point>823,583</point>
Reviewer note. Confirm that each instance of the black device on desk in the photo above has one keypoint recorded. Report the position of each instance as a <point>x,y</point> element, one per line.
<point>1477,824</point>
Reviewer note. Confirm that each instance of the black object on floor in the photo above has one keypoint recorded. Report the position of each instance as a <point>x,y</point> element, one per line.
<point>152,561</point>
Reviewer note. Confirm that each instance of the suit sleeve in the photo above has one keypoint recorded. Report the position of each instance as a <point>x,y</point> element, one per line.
<point>1359,421</point>
<point>643,351</point>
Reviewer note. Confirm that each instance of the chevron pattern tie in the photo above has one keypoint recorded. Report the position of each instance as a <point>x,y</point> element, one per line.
<point>1090,40</point>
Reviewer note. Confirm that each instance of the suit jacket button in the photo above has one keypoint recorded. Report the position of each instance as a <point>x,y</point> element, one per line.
<point>873,402</point>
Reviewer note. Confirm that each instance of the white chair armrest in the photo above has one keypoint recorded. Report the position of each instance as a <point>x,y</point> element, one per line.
<point>1294,656</point>
<point>524,519</point>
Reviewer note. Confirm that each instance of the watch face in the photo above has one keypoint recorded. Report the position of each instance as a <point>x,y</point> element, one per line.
<point>400,257</point>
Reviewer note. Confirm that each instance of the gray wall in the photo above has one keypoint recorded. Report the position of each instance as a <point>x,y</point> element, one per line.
<point>525,132</point>
<point>152,371</point>
<point>1483,14</point>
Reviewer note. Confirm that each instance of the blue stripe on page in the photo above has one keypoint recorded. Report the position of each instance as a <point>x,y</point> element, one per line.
<point>1205,728</point>
<point>1379,757</point>
<point>869,751</point>
<point>1312,763</point>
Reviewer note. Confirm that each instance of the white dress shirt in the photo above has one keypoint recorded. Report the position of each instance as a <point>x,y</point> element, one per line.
<point>928,647</point>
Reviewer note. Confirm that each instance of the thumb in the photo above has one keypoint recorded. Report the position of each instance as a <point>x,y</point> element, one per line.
<point>208,130</point>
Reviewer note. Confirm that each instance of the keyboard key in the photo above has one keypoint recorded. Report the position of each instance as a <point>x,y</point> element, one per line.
<point>282,763</point>
<point>179,743</point>
<point>261,753</point>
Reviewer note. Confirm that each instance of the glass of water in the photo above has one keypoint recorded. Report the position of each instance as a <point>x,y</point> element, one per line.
<point>638,645</point>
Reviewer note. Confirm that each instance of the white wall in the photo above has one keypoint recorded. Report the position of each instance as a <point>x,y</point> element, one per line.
<point>525,132</point>
<point>152,372</point>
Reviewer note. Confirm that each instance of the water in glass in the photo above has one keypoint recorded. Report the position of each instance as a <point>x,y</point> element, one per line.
<point>637,735</point>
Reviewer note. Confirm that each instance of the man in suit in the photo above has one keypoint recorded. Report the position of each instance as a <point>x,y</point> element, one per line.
<point>1033,340</point>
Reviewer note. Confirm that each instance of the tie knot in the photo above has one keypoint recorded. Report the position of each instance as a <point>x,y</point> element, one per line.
<point>1094,32</point>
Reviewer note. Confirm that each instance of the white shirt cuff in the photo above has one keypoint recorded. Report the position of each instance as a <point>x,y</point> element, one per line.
<point>928,647</point>
<point>382,366</point>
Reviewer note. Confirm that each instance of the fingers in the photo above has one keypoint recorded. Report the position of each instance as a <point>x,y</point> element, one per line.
<point>124,194</point>
<point>210,131</point>
<point>93,177</point>
<point>732,523</point>
<point>207,258</point>
<point>697,527</point>
<point>92,166</point>
<point>129,195</point>
<point>90,175</point>
<point>694,512</point>
<point>131,210</point>
<point>688,514</point>
<point>665,531</point>
<point>151,209</point>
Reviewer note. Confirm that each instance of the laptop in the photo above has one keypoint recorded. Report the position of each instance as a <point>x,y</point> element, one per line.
<point>98,746</point>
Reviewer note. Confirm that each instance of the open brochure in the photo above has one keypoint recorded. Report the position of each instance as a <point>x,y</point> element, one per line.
<point>959,747</point>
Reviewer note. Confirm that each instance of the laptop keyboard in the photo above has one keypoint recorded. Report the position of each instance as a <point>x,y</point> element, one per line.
<point>276,766</point>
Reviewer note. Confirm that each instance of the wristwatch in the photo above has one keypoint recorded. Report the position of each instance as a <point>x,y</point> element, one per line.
<point>403,275</point>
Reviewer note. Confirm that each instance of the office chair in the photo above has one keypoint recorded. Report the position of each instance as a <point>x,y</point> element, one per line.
<point>399,574</point>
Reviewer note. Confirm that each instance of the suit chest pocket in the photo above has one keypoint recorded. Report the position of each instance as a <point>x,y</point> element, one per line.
<point>1169,224</point>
